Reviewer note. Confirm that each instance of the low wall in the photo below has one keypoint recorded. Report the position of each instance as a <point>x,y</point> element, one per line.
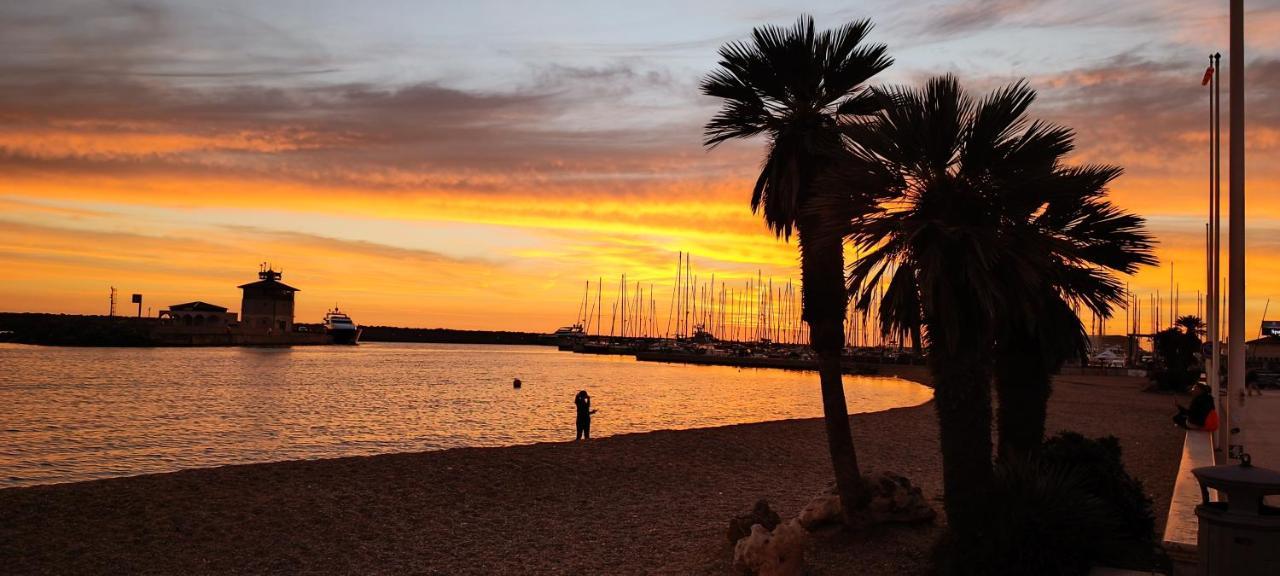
<point>1102,371</point>
<point>1182,530</point>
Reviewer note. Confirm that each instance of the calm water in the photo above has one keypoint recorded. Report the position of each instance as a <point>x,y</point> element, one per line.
<point>70,414</point>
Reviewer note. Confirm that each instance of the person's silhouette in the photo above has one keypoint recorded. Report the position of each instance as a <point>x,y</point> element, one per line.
<point>1200,415</point>
<point>583,402</point>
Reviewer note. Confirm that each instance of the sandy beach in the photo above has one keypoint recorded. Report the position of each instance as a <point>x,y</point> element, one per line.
<point>652,503</point>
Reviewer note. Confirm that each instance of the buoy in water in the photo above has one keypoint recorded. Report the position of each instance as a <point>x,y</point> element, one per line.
<point>515,383</point>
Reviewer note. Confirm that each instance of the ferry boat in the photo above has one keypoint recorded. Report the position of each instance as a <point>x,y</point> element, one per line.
<point>340,328</point>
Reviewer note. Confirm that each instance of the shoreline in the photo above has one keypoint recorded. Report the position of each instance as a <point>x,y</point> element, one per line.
<point>651,502</point>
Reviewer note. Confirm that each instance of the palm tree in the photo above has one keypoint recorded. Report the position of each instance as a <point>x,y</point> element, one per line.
<point>1190,324</point>
<point>1177,348</point>
<point>982,238</point>
<point>793,86</point>
<point>1093,240</point>
<point>1090,241</point>
<point>1029,352</point>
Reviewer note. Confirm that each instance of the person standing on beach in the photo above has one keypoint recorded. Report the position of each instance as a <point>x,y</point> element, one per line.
<point>583,403</point>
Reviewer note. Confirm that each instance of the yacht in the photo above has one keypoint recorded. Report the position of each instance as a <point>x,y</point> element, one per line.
<point>569,336</point>
<point>340,328</point>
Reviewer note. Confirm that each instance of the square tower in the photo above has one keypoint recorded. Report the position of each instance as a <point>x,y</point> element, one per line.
<point>267,305</point>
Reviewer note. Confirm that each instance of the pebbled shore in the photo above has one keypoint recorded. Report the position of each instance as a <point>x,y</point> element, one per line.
<point>652,503</point>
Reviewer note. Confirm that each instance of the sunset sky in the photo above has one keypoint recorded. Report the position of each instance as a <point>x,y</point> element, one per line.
<point>471,164</point>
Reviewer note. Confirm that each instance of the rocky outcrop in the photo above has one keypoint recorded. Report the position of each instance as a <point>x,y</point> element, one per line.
<point>779,552</point>
<point>762,514</point>
<point>893,500</point>
<point>766,548</point>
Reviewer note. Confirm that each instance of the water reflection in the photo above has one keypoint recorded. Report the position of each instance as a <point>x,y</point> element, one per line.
<point>79,413</point>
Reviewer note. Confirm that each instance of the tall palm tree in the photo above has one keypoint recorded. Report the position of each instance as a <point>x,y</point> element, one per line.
<point>793,86</point>
<point>1090,240</point>
<point>1094,240</point>
<point>1029,352</point>
<point>979,236</point>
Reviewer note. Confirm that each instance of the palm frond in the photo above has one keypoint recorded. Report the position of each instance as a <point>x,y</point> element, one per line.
<point>792,85</point>
<point>978,216</point>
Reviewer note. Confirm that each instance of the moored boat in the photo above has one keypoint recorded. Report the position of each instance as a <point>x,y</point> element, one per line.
<point>569,336</point>
<point>340,328</point>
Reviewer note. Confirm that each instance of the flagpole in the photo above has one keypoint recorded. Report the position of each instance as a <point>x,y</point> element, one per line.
<point>1215,224</point>
<point>1236,266</point>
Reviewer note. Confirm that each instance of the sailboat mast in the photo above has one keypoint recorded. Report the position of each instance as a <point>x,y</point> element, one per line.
<point>711,296</point>
<point>674,289</point>
<point>688,291</point>
<point>613,320</point>
<point>653,313</point>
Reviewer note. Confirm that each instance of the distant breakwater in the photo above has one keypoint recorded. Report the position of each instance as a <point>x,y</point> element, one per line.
<point>450,336</point>
<point>128,331</point>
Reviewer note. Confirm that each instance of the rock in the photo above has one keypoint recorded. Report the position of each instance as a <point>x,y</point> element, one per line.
<point>894,500</point>
<point>776,553</point>
<point>762,514</point>
<point>823,509</point>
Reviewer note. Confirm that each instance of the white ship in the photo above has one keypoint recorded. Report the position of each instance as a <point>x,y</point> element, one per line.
<point>340,328</point>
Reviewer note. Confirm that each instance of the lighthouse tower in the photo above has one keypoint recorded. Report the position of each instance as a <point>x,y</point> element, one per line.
<point>267,305</point>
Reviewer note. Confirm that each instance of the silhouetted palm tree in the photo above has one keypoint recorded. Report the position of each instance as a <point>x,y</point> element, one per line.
<point>1028,353</point>
<point>1093,239</point>
<point>983,237</point>
<point>792,86</point>
<point>1190,324</point>
<point>1087,240</point>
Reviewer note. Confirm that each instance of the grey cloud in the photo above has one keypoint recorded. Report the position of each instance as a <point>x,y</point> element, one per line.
<point>966,16</point>
<point>1131,107</point>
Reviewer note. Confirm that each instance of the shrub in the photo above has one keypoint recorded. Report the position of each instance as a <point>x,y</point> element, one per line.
<point>1105,477</point>
<point>1040,519</point>
<point>1060,514</point>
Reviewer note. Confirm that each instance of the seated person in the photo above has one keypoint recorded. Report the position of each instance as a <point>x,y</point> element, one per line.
<point>1201,415</point>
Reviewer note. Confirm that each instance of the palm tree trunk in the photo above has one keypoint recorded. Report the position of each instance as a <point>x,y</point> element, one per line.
<point>1022,392</point>
<point>825,302</point>
<point>962,398</point>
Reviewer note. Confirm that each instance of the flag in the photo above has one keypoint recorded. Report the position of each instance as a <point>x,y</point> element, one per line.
<point>1208,75</point>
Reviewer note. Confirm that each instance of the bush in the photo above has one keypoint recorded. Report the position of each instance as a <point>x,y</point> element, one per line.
<point>1106,478</point>
<point>1040,519</point>
<point>1060,514</point>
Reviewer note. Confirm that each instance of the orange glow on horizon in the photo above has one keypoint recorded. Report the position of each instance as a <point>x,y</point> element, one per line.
<point>483,192</point>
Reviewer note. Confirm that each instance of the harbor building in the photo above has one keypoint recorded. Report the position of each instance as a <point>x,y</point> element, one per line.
<point>1264,353</point>
<point>265,319</point>
<point>198,314</point>
<point>267,305</point>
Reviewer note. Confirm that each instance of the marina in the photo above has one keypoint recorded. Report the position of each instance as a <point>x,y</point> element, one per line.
<point>935,324</point>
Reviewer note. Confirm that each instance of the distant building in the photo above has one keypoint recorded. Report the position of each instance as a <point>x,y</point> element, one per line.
<point>197,315</point>
<point>267,305</point>
<point>1271,327</point>
<point>1264,352</point>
